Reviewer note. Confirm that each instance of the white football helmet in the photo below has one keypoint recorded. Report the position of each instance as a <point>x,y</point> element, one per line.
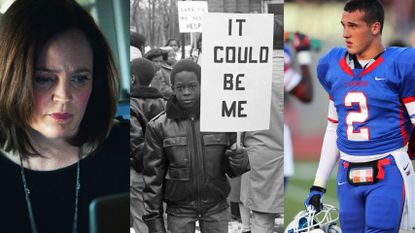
<point>312,222</point>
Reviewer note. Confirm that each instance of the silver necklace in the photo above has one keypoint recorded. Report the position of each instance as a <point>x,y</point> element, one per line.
<point>29,204</point>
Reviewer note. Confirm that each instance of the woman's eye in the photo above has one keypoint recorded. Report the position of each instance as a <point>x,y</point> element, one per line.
<point>44,81</point>
<point>80,79</point>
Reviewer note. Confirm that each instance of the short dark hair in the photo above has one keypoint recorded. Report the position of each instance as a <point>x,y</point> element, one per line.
<point>137,40</point>
<point>185,65</point>
<point>156,52</point>
<point>25,29</point>
<point>172,39</point>
<point>373,10</point>
<point>143,70</point>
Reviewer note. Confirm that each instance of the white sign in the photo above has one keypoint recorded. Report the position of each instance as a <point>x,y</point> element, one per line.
<point>190,15</point>
<point>236,72</point>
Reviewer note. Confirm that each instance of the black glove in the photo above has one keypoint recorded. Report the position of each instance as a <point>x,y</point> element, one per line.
<point>314,198</point>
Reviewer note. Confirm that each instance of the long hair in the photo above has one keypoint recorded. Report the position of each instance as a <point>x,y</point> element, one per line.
<point>24,30</point>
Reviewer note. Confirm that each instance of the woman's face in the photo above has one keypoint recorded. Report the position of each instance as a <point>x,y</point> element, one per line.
<point>62,85</point>
<point>174,45</point>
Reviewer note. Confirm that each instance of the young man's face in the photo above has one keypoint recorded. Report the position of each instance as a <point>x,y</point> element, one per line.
<point>358,35</point>
<point>187,89</point>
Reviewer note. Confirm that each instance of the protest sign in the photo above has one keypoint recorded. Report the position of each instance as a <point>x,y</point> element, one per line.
<point>190,15</point>
<point>236,72</point>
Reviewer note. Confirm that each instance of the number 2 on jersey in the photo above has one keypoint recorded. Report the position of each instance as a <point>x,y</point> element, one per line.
<point>360,116</point>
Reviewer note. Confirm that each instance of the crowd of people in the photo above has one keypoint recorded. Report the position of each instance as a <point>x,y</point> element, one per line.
<point>180,175</point>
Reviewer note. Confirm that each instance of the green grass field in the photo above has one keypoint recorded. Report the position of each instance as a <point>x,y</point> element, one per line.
<point>298,189</point>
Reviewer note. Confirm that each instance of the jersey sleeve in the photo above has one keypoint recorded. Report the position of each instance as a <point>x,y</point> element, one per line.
<point>322,68</point>
<point>406,66</point>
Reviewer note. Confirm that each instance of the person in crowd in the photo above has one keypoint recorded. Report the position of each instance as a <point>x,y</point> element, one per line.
<point>61,146</point>
<point>175,45</point>
<point>186,168</point>
<point>197,54</point>
<point>371,115</point>
<point>137,43</point>
<point>145,103</point>
<point>297,84</point>
<point>262,188</point>
<point>161,79</point>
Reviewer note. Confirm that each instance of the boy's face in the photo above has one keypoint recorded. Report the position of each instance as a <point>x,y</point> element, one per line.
<point>187,89</point>
<point>157,61</point>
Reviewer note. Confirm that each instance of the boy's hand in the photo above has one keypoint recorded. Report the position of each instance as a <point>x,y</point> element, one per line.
<point>238,157</point>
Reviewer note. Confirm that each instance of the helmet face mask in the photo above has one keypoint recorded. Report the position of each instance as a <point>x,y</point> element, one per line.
<point>312,222</point>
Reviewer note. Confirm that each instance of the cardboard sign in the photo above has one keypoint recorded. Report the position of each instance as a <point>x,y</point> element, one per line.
<point>236,72</point>
<point>190,15</point>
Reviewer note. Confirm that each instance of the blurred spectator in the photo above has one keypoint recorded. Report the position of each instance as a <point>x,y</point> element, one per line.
<point>161,79</point>
<point>175,44</point>
<point>171,55</point>
<point>197,54</point>
<point>397,43</point>
<point>297,84</point>
<point>137,43</point>
<point>146,102</point>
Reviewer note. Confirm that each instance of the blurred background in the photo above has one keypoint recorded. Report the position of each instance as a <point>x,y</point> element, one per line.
<point>320,20</point>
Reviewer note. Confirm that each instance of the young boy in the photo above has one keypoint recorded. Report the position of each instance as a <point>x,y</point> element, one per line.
<point>149,99</point>
<point>145,103</point>
<point>185,167</point>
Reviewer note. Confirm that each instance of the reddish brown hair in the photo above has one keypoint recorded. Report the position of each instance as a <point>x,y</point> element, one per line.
<point>24,30</point>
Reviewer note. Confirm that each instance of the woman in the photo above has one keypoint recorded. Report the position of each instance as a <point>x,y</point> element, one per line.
<point>175,45</point>
<point>60,146</point>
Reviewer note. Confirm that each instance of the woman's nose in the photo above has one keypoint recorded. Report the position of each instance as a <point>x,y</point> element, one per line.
<point>62,92</point>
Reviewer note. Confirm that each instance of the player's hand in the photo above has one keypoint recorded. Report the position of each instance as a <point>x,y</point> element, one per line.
<point>314,198</point>
<point>300,42</point>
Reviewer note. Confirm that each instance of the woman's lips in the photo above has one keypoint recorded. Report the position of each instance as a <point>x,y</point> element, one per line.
<point>61,116</point>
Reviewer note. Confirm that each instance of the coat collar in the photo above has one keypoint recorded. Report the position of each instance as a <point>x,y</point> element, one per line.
<point>175,111</point>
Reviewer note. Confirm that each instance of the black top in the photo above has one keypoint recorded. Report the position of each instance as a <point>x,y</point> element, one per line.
<point>52,193</point>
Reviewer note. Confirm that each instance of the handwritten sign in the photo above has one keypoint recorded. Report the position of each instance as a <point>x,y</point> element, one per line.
<point>236,72</point>
<point>190,15</point>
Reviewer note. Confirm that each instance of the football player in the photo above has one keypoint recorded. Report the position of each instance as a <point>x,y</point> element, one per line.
<point>297,84</point>
<point>370,118</point>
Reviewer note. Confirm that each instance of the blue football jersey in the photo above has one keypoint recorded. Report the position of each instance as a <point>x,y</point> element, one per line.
<point>372,118</point>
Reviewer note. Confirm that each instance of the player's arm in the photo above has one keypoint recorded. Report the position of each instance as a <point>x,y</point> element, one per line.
<point>329,153</point>
<point>406,68</point>
<point>328,159</point>
<point>410,107</point>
